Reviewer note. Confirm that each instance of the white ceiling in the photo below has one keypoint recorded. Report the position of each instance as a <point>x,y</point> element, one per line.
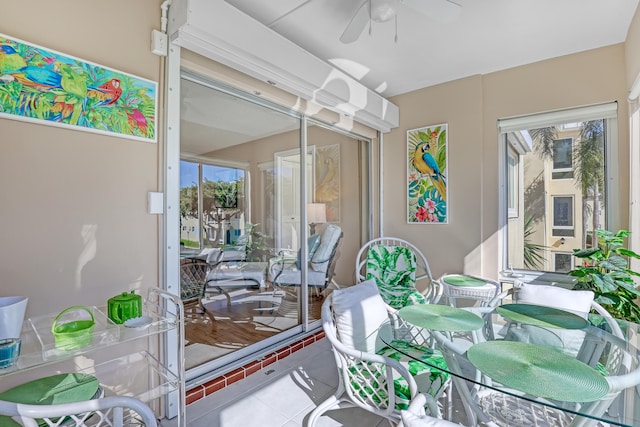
<point>211,119</point>
<point>486,36</point>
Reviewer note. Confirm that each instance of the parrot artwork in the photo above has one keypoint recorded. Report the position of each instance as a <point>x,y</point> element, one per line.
<point>424,162</point>
<point>44,85</point>
<point>107,93</point>
<point>10,60</point>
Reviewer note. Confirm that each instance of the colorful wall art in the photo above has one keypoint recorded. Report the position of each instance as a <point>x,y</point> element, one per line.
<point>327,178</point>
<point>427,189</point>
<point>43,86</point>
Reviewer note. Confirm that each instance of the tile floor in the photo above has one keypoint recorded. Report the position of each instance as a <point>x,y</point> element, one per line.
<point>280,395</point>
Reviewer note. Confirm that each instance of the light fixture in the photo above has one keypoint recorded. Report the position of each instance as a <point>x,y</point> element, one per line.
<point>316,214</point>
<point>562,240</point>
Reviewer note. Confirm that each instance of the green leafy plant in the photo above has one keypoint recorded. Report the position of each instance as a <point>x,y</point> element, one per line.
<point>606,272</point>
<point>533,252</point>
<point>257,249</point>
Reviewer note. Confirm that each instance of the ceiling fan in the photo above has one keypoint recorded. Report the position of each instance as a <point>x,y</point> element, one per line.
<point>386,10</point>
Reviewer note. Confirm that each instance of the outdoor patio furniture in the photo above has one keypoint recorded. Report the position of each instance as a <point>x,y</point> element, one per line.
<point>468,287</point>
<point>112,411</point>
<point>193,274</point>
<point>397,266</point>
<point>544,365</point>
<point>372,376</point>
<point>285,272</point>
<point>229,275</point>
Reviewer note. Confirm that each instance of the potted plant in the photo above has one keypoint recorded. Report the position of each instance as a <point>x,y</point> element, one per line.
<point>606,272</point>
<point>257,249</point>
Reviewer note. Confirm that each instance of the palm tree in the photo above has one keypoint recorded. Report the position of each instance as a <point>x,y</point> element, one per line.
<point>543,139</point>
<point>533,252</point>
<point>588,156</point>
<point>588,165</point>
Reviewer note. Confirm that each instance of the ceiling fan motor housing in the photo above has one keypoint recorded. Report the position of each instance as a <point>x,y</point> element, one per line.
<point>383,10</point>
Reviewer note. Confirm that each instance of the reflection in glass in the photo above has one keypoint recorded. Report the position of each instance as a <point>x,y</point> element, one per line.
<point>241,206</point>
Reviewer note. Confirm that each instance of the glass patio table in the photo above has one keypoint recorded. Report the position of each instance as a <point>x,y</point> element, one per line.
<point>522,362</point>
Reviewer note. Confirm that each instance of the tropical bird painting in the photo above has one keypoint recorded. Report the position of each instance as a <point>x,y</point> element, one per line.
<point>38,84</point>
<point>427,174</point>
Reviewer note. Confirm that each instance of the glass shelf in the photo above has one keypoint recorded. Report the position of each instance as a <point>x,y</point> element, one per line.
<point>123,359</point>
<point>38,344</point>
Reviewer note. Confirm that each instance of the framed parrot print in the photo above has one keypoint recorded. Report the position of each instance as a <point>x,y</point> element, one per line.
<point>44,86</point>
<point>427,188</point>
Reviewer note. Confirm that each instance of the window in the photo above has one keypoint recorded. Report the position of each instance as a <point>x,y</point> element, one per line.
<point>562,185</point>
<point>562,158</point>
<point>563,216</point>
<point>211,200</point>
<point>562,262</point>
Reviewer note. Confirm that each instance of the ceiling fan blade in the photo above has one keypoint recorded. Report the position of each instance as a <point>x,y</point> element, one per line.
<point>439,10</point>
<point>357,24</point>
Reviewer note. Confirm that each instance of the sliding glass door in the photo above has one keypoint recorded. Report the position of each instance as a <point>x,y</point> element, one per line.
<point>248,199</point>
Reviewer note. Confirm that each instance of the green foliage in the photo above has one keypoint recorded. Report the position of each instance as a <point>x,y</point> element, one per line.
<point>606,272</point>
<point>215,195</point>
<point>533,252</point>
<point>256,247</point>
<point>543,141</point>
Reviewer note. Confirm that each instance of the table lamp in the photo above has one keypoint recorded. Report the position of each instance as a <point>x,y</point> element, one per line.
<point>316,214</point>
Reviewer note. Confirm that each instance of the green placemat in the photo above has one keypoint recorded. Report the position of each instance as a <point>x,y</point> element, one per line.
<point>440,318</point>
<point>538,371</point>
<point>462,280</point>
<point>56,389</point>
<point>539,315</point>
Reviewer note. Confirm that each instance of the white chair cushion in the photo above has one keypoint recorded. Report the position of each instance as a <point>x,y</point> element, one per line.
<point>553,296</point>
<point>204,254</point>
<point>292,277</point>
<point>578,302</point>
<point>328,240</point>
<point>359,311</point>
<point>217,255</point>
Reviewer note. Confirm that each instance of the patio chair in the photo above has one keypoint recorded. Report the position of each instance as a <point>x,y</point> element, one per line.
<point>107,411</point>
<point>468,287</point>
<point>193,278</point>
<point>372,376</point>
<point>285,271</point>
<point>579,302</point>
<point>397,266</point>
<point>497,409</point>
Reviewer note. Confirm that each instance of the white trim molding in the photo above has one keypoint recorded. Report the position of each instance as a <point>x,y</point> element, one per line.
<point>219,31</point>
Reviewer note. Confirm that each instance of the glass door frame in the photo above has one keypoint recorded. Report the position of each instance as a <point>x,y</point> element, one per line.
<point>169,253</point>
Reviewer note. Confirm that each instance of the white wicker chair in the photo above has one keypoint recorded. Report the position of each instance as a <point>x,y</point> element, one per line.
<point>108,411</point>
<point>369,379</point>
<point>432,290</point>
<point>484,293</point>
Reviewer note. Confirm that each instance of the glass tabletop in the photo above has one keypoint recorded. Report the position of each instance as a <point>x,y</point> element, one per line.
<point>574,363</point>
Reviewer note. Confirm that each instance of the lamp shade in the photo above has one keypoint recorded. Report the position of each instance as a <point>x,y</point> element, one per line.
<point>316,213</point>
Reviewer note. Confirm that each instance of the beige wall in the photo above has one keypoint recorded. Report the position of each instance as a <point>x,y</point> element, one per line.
<point>632,49</point>
<point>458,103</point>
<point>74,225</point>
<point>471,107</point>
<point>73,217</point>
